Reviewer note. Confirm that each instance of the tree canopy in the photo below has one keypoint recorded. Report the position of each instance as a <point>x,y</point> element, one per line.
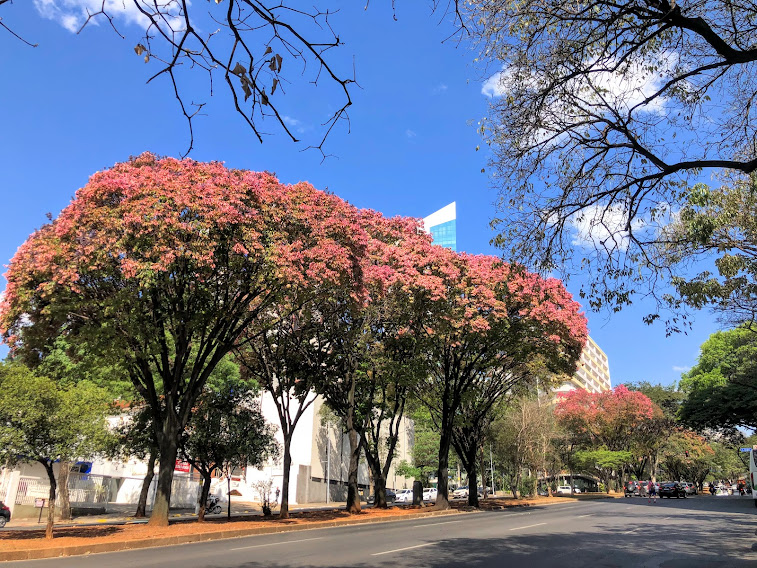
<point>721,388</point>
<point>605,113</point>
<point>41,421</point>
<point>162,264</point>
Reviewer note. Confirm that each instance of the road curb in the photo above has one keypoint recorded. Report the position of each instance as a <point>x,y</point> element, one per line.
<point>80,550</point>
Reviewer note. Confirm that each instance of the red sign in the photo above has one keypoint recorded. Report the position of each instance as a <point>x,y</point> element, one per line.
<point>39,503</point>
<point>182,466</point>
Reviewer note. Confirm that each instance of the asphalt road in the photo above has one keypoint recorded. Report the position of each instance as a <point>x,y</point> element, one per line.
<point>691,533</point>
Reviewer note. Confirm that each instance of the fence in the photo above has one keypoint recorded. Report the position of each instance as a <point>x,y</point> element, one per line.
<point>91,489</point>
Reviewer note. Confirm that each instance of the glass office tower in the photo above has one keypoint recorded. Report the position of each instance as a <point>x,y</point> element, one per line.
<point>442,226</point>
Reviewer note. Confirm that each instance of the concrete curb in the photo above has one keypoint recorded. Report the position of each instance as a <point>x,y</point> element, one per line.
<point>79,550</point>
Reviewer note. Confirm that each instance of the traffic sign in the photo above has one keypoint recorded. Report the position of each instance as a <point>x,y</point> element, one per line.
<point>745,449</point>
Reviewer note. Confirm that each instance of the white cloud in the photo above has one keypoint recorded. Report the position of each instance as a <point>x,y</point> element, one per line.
<point>599,226</point>
<point>678,369</point>
<point>295,124</point>
<point>439,89</point>
<point>621,90</point>
<point>410,133</point>
<point>72,14</point>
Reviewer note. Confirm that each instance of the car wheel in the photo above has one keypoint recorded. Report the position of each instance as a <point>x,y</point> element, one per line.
<point>2,521</point>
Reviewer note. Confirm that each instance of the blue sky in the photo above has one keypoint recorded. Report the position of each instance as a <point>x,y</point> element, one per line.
<point>79,103</point>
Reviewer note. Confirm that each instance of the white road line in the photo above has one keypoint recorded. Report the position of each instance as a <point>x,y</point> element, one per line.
<point>528,526</point>
<point>631,531</point>
<point>436,524</point>
<point>401,549</point>
<point>579,516</point>
<point>277,543</point>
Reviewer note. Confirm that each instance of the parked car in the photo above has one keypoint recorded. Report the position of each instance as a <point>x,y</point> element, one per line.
<point>563,490</point>
<point>460,492</point>
<point>390,497</point>
<point>5,514</point>
<point>691,488</point>
<point>672,489</point>
<point>429,494</point>
<point>632,488</point>
<point>404,496</point>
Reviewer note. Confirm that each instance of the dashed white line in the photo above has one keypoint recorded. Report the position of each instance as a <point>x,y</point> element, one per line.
<point>277,543</point>
<point>528,526</point>
<point>436,524</point>
<point>401,549</point>
<point>580,516</point>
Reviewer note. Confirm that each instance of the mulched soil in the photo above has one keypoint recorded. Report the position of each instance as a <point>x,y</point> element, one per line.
<point>76,536</point>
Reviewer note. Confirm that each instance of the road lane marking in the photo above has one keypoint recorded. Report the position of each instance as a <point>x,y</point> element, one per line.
<point>436,524</point>
<point>401,549</point>
<point>277,543</point>
<point>631,531</point>
<point>579,516</point>
<point>528,526</point>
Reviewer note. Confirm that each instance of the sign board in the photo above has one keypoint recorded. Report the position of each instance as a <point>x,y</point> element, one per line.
<point>182,466</point>
<point>745,450</point>
<point>39,502</point>
<point>43,492</point>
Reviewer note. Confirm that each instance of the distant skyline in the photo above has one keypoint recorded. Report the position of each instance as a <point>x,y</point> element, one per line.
<point>80,103</point>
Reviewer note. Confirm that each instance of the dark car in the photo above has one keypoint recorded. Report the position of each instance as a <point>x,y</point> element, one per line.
<point>5,514</point>
<point>390,497</point>
<point>632,488</point>
<point>672,489</point>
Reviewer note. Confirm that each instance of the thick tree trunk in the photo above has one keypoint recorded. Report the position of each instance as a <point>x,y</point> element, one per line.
<point>380,490</point>
<point>206,479</point>
<point>51,500</point>
<point>442,475</point>
<point>169,449</point>
<point>146,482</point>
<point>353,494</point>
<point>472,477</point>
<point>284,509</point>
<point>65,501</point>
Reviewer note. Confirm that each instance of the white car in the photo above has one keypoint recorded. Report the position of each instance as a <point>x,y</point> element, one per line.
<point>565,490</point>
<point>429,494</point>
<point>404,496</point>
<point>460,492</point>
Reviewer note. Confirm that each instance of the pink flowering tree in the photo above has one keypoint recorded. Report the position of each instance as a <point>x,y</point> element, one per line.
<point>492,321</point>
<point>604,428</point>
<point>371,339</point>
<point>162,264</point>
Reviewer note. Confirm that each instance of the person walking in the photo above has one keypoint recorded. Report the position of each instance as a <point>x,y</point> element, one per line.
<point>652,492</point>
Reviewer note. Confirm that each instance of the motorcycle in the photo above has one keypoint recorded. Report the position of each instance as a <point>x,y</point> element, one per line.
<point>213,505</point>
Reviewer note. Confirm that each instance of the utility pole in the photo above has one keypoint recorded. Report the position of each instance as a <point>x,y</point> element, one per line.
<point>328,462</point>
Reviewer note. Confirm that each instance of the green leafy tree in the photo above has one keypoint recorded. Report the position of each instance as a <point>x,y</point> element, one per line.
<point>721,388</point>
<point>603,463</point>
<point>227,431</point>
<point>41,421</point>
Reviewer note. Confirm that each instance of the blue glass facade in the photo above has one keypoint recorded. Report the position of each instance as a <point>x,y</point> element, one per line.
<point>445,234</point>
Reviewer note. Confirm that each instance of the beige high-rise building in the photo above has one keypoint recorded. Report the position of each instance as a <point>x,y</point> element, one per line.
<point>593,373</point>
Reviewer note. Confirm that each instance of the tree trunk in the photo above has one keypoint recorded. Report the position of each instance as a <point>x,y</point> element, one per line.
<point>571,483</point>
<point>284,508</point>
<point>353,494</point>
<point>51,500</point>
<point>206,479</point>
<point>169,449</point>
<point>380,490</point>
<point>142,504</point>
<point>442,475</point>
<point>472,480</point>
<point>65,502</point>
